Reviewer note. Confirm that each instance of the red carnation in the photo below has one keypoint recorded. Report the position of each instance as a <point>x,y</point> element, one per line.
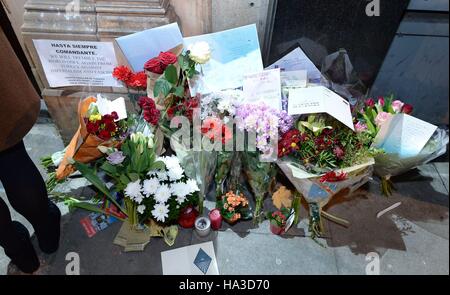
<point>92,127</point>
<point>122,73</point>
<point>155,66</point>
<point>138,80</point>
<point>167,58</point>
<point>105,135</point>
<point>407,108</point>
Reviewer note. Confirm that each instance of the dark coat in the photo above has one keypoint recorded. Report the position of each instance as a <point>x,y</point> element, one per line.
<point>19,101</point>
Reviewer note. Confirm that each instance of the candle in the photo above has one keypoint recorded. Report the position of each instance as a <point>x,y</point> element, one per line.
<point>202,226</point>
<point>216,219</point>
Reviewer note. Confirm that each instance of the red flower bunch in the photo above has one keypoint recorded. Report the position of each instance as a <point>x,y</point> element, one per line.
<point>105,128</point>
<point>133,80</point>
<point>158,65</point>
<point>333,177</point>
<point>150,112</point>
<point>214,128</point>
<point>289,142</point>
<point>185,108</point>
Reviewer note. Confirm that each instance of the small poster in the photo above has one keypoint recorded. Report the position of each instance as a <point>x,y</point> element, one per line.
<point>77,63</point>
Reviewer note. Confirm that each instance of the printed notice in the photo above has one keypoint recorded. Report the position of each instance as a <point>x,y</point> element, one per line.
<point>264,87</point>
<point>77,63</point>
<point>320,99</point>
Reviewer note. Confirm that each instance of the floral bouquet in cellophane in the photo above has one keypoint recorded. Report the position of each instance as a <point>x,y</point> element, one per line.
<point>322,157</point>
<point>375,116</point>
<point>96,129</point>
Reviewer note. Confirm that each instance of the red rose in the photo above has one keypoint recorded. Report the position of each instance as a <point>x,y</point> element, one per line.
<point>122,73</point>
<point>407,108</point>
<point>138,80</point>
<point>167,58</point>
<point>155,66</point>
<point>115,116</point>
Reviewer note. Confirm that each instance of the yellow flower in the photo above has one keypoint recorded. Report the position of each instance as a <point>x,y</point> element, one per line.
<point>94,118</point>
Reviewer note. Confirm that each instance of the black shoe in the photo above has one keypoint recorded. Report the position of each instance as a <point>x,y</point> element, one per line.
<point>48,237</point>
<point>24,256</point>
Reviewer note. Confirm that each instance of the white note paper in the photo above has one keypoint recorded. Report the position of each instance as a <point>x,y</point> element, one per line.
<point>264,87</point>
<point>297,60</point>
<point>294,78</point>
<point>404,135</point>
<point>234,53</point>
<point>106,107</point>
<point>320,99</point>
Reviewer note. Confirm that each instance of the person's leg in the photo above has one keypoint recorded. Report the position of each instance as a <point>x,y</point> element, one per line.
<point>15,240</point>
<point>27,194</point>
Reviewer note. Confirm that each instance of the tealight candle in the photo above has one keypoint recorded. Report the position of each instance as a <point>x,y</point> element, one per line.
<point>202,226</point>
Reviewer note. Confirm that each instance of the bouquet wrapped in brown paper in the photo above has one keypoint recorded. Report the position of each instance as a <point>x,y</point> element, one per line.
<point>97,128</point>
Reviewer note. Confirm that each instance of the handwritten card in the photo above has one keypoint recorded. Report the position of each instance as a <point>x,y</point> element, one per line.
<point>264,87</point>
<point>139,47</point>
<point>235,52</point>
<point>320,99</point>
<point>294,78</point>
<point>297,60</point>
<point>404,135</point>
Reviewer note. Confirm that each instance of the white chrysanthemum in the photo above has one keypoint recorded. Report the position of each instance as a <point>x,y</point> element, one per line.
<point>180,189</point>
<point>133,189</point>
<point>180,200</point>
<point>161,212</point>
<point>163,194</point>
<point>162,175</point>
<point>139,199</point>
<point>175,173</point>
<point>141,209</point>
<point>192,185</point>
<point>171,162</point>
<point>150,186</point>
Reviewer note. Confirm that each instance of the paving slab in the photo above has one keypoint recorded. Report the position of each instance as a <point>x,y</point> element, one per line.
<point>262,254</point>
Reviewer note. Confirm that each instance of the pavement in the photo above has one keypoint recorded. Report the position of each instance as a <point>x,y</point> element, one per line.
<point>410,239</point>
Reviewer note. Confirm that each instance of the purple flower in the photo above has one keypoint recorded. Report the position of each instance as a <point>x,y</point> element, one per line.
<point>266,122</point>
<point>116,158</point>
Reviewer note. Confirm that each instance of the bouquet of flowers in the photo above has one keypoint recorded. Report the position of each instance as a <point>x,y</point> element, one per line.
<point>321,157</point>
<point>266,123</point>
<point>234,207</point>
<point>95,130</point>
<point>373,116</point>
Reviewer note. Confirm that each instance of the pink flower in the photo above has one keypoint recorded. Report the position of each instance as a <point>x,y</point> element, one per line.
<point>360,127</point>
<point>381,118</point>
<point>381,101</point>
<point>397,105</point>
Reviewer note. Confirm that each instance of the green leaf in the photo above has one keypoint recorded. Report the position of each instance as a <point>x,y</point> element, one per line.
<point>133,176</point>
<point>179,91</point>
<point>89,174</point>
<point>108,168</point>
<point>124,179</point>
<point>162,86</point>
<point>171,74</point>
<point>159,165</point>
